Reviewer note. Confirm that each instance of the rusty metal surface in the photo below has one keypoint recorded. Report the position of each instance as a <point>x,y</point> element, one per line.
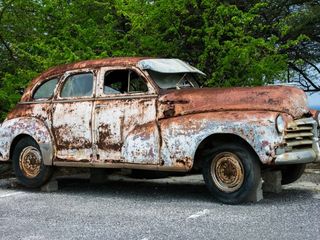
<point>93,64</point>
<point>131,134</point>
<point>182,135</point>
<point>30,162</point>
<point>10,129</point>
<point>272,98</point>
<point>227,172</point>
<point>71,128</point>
<point>144,130</point>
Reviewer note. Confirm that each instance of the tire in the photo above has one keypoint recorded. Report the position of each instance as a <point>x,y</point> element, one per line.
<point>28,164</point>
<point>232,173</point>
<point>292,173</point>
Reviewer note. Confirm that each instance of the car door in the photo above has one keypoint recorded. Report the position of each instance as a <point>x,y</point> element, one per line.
<point>125,123</point>
<point>72,116</point>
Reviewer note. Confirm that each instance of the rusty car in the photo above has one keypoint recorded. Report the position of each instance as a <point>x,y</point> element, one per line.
<point>151,114</point>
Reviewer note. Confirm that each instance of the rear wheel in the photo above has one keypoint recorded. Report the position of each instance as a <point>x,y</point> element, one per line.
<point>231,173</point>
<point>28,164</point>
<point>292,173</point>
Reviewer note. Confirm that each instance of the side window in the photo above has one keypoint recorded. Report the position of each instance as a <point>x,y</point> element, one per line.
<point>136,83</point>
<point>45,90</point>
<point>123,81</point>
<point>78,85</point>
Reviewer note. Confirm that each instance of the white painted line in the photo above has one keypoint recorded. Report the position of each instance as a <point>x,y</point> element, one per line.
<point>11,194</point>
<point>314,171</point>
<point>303,185</point>
<point>198,214</point>
<point>316,196</point>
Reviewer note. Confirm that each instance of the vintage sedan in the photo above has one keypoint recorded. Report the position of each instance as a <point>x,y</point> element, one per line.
<point>151,114</point>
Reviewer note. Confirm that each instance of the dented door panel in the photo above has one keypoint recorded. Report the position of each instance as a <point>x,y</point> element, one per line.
<point>72,118</point>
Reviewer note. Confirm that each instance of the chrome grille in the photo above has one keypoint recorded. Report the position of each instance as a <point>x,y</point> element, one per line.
<point>299,134</point>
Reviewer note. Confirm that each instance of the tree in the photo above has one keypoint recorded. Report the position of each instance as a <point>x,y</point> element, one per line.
<point>296,23</point>
<point>235,42</point>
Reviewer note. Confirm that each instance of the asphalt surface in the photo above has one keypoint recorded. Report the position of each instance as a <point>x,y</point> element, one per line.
<point>171,208</point>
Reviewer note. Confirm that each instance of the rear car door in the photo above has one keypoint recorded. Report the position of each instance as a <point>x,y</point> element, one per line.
<point>72,116</point>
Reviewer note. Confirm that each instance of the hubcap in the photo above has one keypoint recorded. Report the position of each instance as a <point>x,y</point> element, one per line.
<point>227,172</point>
<point>30,162</point>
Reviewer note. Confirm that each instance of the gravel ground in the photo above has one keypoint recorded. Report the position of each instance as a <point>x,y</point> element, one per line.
<point>168,208</point>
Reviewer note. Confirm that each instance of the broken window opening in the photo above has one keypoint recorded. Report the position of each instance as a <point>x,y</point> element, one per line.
<point>123,81</point>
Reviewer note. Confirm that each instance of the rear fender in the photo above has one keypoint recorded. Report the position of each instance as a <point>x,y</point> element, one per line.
<point>14,128</point>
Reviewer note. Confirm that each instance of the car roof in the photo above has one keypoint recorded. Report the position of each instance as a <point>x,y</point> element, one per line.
<point>97,63</point>
<point>117,61</point>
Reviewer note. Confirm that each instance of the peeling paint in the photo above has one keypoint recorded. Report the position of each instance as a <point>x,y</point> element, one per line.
<point>154,129</point>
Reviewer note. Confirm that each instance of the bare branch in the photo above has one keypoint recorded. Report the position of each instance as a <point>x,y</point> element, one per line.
<point>305,76</point>
<point>313,65</point>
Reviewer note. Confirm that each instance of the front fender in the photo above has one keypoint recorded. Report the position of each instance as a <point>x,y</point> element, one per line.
<point>182,135</point>
<point>10,129</point>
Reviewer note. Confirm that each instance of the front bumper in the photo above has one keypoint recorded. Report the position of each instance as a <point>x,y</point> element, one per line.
<point>297,157</point>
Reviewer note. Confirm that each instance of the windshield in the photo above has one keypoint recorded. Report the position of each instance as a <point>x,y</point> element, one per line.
<point>175,80</point>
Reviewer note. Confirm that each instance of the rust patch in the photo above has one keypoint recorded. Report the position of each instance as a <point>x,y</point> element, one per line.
<point>38,110</point>
<point>57,159</point>
<point>112,161</point>
<point>68,141</point>
<point>187,162</point>
<point>283,99</point>
<point>105,135</point>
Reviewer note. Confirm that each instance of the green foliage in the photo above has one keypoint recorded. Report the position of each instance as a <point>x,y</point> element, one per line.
<point>227,41</point>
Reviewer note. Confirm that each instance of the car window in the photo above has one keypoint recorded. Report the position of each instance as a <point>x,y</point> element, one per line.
<point>78,85</point>
<point>176,80</point>
<point>45,90</point>
<point>123,81</point>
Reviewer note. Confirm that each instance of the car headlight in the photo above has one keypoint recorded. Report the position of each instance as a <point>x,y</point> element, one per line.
<point>280,124</point>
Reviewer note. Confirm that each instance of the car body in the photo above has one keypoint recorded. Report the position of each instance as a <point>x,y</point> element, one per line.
<point>151,114</point>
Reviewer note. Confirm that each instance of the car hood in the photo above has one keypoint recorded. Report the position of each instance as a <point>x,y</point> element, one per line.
<point>283,99</point>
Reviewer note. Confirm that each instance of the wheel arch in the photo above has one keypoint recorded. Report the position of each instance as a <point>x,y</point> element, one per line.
<point>33,128</point>
<point>16,140</point>
<point>217,139</point>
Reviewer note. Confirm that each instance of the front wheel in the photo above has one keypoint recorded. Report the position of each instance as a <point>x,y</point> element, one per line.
<point>231,173</point>
<point>28,164</point>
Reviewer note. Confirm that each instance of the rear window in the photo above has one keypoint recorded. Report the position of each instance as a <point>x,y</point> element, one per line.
<point>45,90</point>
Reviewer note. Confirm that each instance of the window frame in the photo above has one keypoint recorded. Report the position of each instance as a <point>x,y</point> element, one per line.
<point>100,83</point>
<point>72,73</point>
<point>41,83</point>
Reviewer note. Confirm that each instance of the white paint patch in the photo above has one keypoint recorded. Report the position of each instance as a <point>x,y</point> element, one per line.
<point>10,194</point>
<point>198,214</point>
